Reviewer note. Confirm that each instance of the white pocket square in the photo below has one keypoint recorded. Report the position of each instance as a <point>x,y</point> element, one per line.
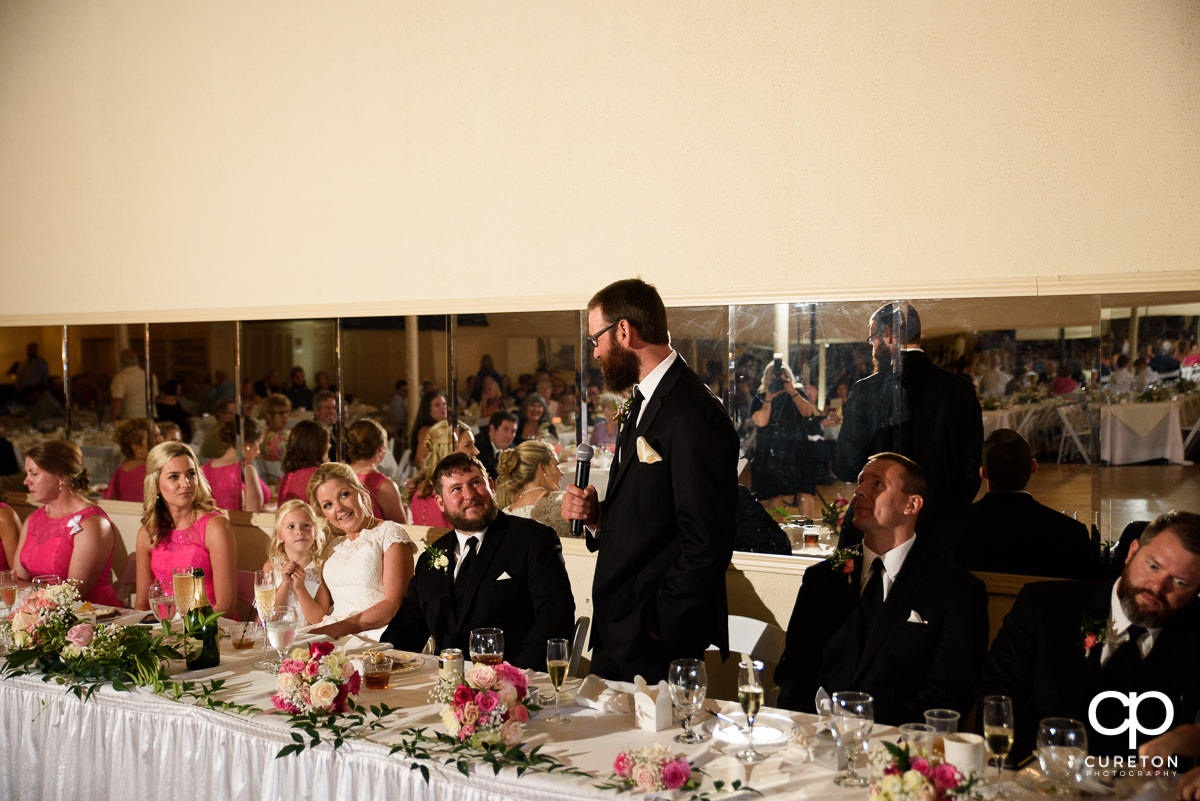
<point>913,617</point>
<point>646,454</point>
<point>503,576</point>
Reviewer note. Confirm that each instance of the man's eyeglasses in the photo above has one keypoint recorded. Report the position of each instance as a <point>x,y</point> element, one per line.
<point>592,339</point>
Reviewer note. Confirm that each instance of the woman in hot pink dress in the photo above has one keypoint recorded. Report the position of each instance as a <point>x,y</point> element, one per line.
<point>222,472</point>
<point>425,511</point>
<point>10,533</point>
<point>68,536</point>
<point>127,479</point>
<point>308,445</point>
<point>181,527</point>
<point>366,443</point>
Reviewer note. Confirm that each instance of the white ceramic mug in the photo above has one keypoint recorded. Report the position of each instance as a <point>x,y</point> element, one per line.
<point>964,751</point>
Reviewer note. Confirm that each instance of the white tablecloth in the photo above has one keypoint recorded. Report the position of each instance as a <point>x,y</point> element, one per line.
<point>138,745</point>
<point>1140,432</point>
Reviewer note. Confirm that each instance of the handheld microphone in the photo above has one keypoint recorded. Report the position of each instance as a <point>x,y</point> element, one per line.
<point>583,466</point>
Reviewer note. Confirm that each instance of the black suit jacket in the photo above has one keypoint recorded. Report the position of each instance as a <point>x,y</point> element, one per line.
<point>531,605</point>
<point>1010,532</point>
<point>487,453</point>
<point>923,412</point>
<point>907,666</point>
<point>1038,660</point>
<point>666,535</point>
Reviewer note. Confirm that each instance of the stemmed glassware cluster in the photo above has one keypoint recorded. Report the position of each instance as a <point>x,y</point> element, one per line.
<point>998,733</point>
<point>687,680</point>
<point>750,696</point>
<point>1062,747</point>
<point>852,718</point>
<point>264,601</point>
<point>558,657</point>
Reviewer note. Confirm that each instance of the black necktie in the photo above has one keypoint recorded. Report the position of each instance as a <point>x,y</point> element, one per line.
<point>1120,666</point>
<point>631,419</point>
<point>870,603</point>
<point>464,570</point>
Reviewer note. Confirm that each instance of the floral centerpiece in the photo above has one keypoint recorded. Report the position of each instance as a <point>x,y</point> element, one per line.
<point>833,514</point>
<point>488,707</point>
<point>901,777</point>
<point>652,769</point>
<point>48,636</point>
<point>315,680</point>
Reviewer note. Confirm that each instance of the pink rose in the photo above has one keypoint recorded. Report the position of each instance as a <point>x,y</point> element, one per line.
<point>946,777</point>
<point>506,693</point>
<point>320,649</point>
<point>514,676</point>
<point>623,764</point>
<point>339,702</point>
<point>921,766</point>
<point>1089,641</point>
<point>510,732</point>
<point>466,732</point>
<point>892,770</point>
<point>518,713</point>
<point>312,668</point>
<point>485,700</point>
<point>645,777</point>
<point>463,695</point>
<point>284,705</point>
<point>292,666</point>
<point>481,675</point>
<point>848,567</point>
<point>470,714</point>
<point>354,681</point>
<point>81,635</point>
<point>676,774</point>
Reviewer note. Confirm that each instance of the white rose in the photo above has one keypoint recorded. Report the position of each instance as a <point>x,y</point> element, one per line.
<point>323,693</point>
<point>449,720</point>
<point>21,638</point>
<point>912,780</point>
<point>287,683</point>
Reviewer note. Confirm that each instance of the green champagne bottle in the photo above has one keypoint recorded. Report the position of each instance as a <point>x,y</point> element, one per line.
<point>200,624</point>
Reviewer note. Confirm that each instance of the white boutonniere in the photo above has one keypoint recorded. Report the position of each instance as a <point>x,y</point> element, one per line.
<point>621,411</point>
<point>437,558</point>
<point>74,526</point>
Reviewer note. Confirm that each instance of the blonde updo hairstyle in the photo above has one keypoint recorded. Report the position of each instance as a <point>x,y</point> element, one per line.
<point>130,433</point>
<point>275,552</point>
<point>440,442</point>
<point>364,438</point>
<point>339,471</point>
<point>517,466</point>
<point>63,459</point>
<point>156,517</point>
<point>251,432</point>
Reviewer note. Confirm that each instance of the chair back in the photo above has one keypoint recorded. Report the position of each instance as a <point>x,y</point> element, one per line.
<point>578,639</point>
<point>245,594</point>
<point>127,582</point>
<point>761,640</point>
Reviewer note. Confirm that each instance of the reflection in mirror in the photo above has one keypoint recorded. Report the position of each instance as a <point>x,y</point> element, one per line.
<point>32,398</point>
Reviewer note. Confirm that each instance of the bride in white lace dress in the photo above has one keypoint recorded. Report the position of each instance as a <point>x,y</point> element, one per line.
<point>370,567</point>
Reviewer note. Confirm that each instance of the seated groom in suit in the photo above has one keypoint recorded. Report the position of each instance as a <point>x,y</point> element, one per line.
<point>1007,531</point>
<point>493,570</point>
<point>891,617</point>
<point>1065,642</point>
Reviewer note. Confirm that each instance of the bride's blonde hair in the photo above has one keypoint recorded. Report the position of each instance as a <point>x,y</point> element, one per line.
<point>517,466</point>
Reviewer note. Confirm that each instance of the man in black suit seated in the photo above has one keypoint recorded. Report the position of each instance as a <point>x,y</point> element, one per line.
<point>912,407</point>
<point>894,617</point>
<point>497,435</point>
<point>499,571</point>
<point>1007,531</point>
<point>1065,642</point>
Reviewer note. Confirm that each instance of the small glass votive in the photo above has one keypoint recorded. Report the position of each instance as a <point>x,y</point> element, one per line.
<point>919,738</point>
<point>812,536</point>
<point>245,635</point>
<point>377,670</point>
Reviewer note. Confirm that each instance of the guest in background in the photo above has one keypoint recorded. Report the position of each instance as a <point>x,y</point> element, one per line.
<point>297,391</point>
<point>169,432</point>
<point>275,410</point>
<point>530,485</point>
<point>1063,384</point>
<point>604,434</point>
<point>1122,378</point>
<point>182,527</point>
<point>993,382</point>
<point>366,447</point>
<point>783,462</point>
<point>268,384</point>
<point>167,407</point>
<point>440,443</point>
<point>211,446</point>
<point>325,412</point>
<point>1188,355</point>
<point>1007,531</point>
<point>495,437</point>
<point>1164,363</point>
<point>222,388</point>
<point>222,472</point>
<point>399,406</point>
<point>132,438</point>
<point>67,536</point>
<point>486,370</point>
<point>433,410</point>
<point>128,389</point>
<point>307,449</point>
<point>10,533</point>
<point>1143,376</point>
<point>532,416</point>
<point>322,382</point>
<point>33,376</point>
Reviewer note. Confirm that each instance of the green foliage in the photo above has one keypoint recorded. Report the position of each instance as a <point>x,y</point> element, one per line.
<point>421,747</point>
<point>356,723</point>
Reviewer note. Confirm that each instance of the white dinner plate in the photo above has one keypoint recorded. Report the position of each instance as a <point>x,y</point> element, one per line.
<point>770,732</point>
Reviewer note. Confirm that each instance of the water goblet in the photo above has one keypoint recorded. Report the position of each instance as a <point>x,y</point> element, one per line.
<point>750,696</point>
<point>852,720</point>
<point>919,738</point>
<point>688,682</point>
<point>558,656</point>
<point>162,603</point>
<point>264,602</point>
<point>1062,750</point>
<point>281,630</point>
<point>46,580</point>
<point>998,734</point>
<point>486,646</point>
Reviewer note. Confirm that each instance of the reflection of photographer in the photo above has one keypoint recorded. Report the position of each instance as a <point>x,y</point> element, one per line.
<point>783,465</point>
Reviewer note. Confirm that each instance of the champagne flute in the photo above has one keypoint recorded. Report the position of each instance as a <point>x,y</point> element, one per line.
<point>162,603</point>
<point>853,718</point>
<point>486,646</point>
<point>183,584</point>
<point>1062,750</point>
<point>750,696</point>
<point>281,630</point>
<point>8,589</point>
<point>688,682</point>
<point>998,734</point>
<point>264,602</point>
<point>558,656</point>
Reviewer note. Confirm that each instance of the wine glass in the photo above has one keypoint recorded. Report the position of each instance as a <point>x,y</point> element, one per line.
<point>162,603</point>
<point>750,696</point>
<point>183,585</point>
<point>1062,749</point>
<point>281,630</point>
<point>688,682</point>
<point>998,733</point>
<point>46,580</point>
<point>558,656</point>
<point>486,646</point>
<point>853,718</point>
<point>8,589</point>
<point>264,602</point>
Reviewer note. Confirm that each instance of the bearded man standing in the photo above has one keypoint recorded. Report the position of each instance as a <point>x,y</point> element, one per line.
<point>664,533</point>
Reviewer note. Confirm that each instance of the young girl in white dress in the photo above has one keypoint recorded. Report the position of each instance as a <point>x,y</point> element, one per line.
<point>370,567</point>
<point>295,554</point>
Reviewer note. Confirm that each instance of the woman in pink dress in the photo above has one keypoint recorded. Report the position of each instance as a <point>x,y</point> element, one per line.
<point>182,527</point>
<point>68,536</point>
<point>10,533</point>
<point>127,479</point>
<point>438,443</point>
<point>366,447</point>
<point>308,446</point>
<point>222,472</point>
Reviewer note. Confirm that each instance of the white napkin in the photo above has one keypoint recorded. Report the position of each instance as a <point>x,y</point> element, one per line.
<point>652,707</point>
<point>596,693</point>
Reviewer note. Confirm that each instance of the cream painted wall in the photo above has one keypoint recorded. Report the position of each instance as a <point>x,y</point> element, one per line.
<point>163,160</point>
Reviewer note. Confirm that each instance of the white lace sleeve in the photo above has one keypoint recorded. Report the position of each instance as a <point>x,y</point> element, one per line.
<point>389,533</point>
